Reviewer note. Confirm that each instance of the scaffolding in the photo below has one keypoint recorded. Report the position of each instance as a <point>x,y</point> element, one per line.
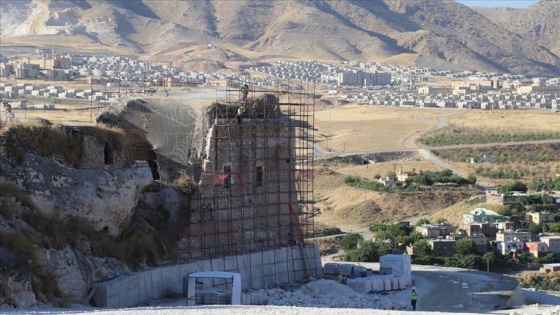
<point>256,182</point>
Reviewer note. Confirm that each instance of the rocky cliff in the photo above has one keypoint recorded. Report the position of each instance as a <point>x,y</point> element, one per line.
<point>62,228</point>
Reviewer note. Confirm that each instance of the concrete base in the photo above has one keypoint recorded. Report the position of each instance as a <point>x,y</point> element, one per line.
<point>274,267</point>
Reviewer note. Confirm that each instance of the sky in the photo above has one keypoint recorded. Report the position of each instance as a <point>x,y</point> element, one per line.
<point>499,3</point>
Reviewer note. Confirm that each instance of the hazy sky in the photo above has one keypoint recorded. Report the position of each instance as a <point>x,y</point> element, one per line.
<point>499,3</point>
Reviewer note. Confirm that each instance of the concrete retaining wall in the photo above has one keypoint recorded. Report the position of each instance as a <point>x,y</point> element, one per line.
<point>517,298</point>
<point>258,270</point>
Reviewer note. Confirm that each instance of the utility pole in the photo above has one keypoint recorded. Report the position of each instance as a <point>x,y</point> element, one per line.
<point>91,102</point>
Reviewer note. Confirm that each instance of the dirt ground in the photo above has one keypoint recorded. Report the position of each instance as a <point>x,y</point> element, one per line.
<point>345,127</point>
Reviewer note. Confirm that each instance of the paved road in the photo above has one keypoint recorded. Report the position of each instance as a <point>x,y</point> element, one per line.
<point>455,290</point>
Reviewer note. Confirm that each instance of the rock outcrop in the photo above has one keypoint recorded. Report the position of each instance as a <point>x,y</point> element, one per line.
<point>15,280</point>
<point>34,267</point>
<point>104,198</point>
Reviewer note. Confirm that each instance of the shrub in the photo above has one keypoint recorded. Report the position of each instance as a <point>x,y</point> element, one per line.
<point>186,185</point>
<point>465,246</point>
<point>387,231</point>
<point>10,190</point>
<point>358,182</point>
<point>45,141</point>
<point>541,281</point>
<point>428,260</point>
<point>44,284</point>
<point>464,261</point>
<point>368,252</point>
<point>350,241</point>
<point>515,186</point>
<point>16,242</point>
<point>422,248</point>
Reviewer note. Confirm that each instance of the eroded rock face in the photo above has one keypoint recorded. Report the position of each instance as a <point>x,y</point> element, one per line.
<point>15,280</point>
<point>104,198</point>
<point>75,272</point>
<point>63,265</point>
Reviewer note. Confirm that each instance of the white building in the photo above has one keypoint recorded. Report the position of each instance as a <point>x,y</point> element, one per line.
<point>360,78</point>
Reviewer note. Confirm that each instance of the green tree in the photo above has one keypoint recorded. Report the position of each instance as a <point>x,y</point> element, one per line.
<point>471,179</point>
<point>489,258</point>
<point>368,252</point>
<point>422,248</point>
<point>350,241</point>
<point>446,172</point>
<point>546,259</point>
<point>505,211</point>
<point>465,246</point>
<point>410,239</point>
<point>515,186</point>
<point>534,228</point>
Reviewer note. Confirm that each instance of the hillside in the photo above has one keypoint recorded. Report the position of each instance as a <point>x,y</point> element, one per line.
<point>350,208</point>
<point>539,24</point>
<point>223,34</point>
<point>498,15</point>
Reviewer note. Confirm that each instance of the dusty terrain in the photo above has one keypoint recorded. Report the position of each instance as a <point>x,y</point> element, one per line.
<point>354,128</point>
<point>345,128</point>
<point>216,34</point>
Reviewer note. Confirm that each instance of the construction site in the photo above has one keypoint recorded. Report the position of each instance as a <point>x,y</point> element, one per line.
<point>248,157</point>
<point>247,153</point>
<point>255,190</point>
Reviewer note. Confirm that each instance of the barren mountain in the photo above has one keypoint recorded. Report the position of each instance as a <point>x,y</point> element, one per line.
<point>498,15</point>
<point>539,24</point>
<point>224,33</point>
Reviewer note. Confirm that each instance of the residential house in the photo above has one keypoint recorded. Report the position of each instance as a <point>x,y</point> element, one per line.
<point>510,235</point>
<point>510,241</point>
<point>483,215</point>
<point>540,217</point>
<point>507,247</point>
<point>553,243</point>
<point>390,182</point>
<point>442,247</point>
<point>6,69</point>
<point>26,70</point>
<point>504,226</point>
<point>478,228</point>
<point>479,239</point>
<point>537,249</point>
<point>435,230</point>
<point>403,176</point>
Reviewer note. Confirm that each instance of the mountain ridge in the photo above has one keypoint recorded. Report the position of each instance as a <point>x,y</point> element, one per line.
<point>324,30</point>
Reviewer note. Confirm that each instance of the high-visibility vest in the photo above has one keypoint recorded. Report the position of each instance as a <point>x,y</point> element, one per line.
<point>414,296</point>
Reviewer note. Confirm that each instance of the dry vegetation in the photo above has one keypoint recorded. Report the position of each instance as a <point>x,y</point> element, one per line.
<point>540,280</point>
<point>350,127</point>
<point>508,121</point>
<point>370,128</point>
<point>52,142</point>
<point>374,128</point>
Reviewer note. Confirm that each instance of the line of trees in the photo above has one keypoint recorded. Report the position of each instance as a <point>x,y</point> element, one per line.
<point>454,136</point>
<point>427,178</point>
